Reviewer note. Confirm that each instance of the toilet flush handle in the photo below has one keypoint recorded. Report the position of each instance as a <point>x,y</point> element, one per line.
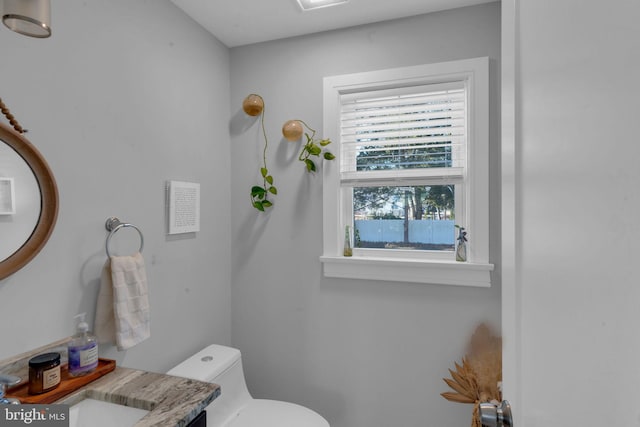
<point>492,415</point>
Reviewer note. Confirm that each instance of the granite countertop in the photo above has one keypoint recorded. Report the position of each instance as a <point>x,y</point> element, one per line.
<point>172,401</point>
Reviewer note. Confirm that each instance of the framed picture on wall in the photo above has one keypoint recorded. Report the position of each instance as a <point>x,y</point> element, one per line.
<point>184,207</point>
<point>7,196</point>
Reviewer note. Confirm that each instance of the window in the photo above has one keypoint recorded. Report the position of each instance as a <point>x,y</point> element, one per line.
<point>412,164</point>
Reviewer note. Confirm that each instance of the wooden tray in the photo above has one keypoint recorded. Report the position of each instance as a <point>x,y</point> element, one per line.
<point>68,384</point>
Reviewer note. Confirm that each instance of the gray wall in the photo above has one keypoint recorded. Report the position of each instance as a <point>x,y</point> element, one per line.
<point>578,292</point>
<point>124,96</point>
<point>363,354</point>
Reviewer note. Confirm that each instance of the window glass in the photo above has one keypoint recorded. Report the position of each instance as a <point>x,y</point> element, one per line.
<point>404,217</point>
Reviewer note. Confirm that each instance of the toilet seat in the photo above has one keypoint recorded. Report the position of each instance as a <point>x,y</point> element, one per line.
<point>273,413</point>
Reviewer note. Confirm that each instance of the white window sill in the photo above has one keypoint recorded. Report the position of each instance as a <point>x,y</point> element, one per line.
<point>409,270</point>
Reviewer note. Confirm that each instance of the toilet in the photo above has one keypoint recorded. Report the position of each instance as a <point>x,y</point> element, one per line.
<point>235,407</point>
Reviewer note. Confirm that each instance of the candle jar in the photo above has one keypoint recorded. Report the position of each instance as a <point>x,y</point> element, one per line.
<point>44,373</point>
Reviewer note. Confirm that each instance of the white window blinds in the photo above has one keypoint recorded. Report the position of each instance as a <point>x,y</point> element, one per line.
<point>415,133</point>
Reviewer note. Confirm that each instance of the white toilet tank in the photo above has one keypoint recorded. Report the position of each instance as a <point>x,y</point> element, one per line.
<point>223,366</point>
<point>235,407</point>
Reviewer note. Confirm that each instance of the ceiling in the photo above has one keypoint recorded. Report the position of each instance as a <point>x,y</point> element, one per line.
<point>242,22</point>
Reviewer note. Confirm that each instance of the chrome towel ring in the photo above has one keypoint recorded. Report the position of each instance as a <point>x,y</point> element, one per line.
<point>112,225</point>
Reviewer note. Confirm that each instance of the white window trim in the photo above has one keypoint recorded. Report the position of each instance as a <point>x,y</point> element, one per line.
<point>477,270</point>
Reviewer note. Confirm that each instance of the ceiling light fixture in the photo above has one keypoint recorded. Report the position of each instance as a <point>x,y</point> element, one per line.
<point>28,17</point>
<point>316,4</point>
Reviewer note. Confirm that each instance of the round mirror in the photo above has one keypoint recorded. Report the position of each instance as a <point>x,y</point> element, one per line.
<point>28,201</point>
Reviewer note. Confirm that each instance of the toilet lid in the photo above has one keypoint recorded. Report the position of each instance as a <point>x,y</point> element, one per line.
<point>273,413</point>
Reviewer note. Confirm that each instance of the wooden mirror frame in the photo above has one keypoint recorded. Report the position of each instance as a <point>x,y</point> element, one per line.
<point>48,201</point>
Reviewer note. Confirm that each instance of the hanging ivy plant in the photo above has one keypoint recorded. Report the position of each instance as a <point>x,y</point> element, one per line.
<point>253,105</point>
<point>313,150</point>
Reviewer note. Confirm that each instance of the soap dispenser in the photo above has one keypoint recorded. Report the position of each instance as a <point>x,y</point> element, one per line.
<point>83,349</point>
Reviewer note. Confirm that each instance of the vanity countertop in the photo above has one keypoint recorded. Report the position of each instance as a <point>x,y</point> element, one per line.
<point>172,401</point>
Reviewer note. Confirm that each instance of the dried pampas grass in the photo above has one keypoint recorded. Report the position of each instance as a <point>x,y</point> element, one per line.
<point>478,378</point>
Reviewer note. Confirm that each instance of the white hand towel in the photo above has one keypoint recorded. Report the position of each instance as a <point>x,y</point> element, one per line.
<point>104,325</point>
<point>122,311</point>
